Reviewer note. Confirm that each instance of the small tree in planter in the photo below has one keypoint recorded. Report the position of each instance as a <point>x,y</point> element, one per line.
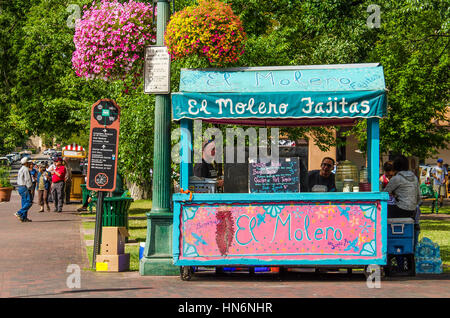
<point>5,186</point>
<point>209,33</point>
<point>110,40</point>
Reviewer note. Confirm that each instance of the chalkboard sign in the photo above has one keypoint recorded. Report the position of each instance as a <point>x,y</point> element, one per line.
<point>271,177</point>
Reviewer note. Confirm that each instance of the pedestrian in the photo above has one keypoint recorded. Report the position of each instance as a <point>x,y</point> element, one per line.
<point>58,177</point>
<point>440,175</point>
<point>24,184</point>
<point>33,173</point>
<point>322,180</point>
<point>404,186</point>
<point>388,169</point>
<point>43,187</point>
<point>51,169</point>
<point>67,181</point>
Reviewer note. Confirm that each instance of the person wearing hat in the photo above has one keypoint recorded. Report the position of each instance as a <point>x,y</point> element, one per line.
<point>58,177</point>
<point>440,175</point>
<point>24,185</point>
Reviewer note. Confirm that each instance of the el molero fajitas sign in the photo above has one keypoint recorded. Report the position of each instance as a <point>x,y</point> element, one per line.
<point>317,92</point>
<point>103,149</point>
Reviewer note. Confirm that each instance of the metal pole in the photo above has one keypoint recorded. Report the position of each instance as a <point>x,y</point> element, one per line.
<point>157,258</point>
<point>98,226</point>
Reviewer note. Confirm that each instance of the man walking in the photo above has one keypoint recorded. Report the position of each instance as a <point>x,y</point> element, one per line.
<point>439,174</point>
<point>24,185</point>
<point>58,177</point>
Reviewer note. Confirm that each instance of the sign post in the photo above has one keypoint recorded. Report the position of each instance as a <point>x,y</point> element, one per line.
<point>102,162</point>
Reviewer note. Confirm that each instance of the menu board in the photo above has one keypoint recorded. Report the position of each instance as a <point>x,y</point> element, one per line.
<point>272,177</point>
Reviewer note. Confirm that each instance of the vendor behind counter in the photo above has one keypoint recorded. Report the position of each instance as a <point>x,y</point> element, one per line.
<point>322,180</point>
<point>208,168</point>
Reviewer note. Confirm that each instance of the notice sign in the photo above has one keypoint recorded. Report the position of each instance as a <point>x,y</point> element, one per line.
<point>157,70</point>
<point>104,142</point>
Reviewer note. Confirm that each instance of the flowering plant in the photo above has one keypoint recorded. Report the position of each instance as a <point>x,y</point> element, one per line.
<point>209,30</point>
<point>110,39</point>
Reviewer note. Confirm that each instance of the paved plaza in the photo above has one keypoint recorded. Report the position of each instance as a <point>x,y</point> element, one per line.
<point>35,258</point>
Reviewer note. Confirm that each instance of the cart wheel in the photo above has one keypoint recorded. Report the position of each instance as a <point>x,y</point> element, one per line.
<point>186,273</point>
<point>219,271</point>
<point>251,271</point>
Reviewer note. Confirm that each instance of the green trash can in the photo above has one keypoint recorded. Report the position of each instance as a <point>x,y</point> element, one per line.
<point>115,211</point>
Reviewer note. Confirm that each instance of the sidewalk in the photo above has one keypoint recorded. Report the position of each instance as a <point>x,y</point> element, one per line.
<point>34,258</point>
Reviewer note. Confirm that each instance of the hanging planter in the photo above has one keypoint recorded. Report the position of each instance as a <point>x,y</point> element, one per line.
<point>110,39</point>
<point>210,30</point>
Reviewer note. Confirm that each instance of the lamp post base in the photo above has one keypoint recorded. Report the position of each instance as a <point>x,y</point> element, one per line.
<point>158,267</point>
<point>158,259</point>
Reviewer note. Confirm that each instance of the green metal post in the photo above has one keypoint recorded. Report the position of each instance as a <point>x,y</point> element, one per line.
<point>157,259</point>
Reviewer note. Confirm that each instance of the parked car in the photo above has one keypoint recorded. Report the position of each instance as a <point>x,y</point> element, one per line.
<point>49,151</point>
<point>56,155</point>
<point>13,157</point>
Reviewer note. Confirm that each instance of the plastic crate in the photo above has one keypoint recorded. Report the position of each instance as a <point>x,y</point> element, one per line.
<point>428,267</point>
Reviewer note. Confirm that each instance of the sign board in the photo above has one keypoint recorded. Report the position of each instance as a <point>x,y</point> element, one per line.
<point>272,177</point>
<point>157,70</point>
<point>103,146</point>
<point>280,233</point>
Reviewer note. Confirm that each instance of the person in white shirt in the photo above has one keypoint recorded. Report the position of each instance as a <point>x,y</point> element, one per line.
<point>24,185</point>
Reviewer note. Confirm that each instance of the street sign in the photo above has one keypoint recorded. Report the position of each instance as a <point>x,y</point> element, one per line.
<point>157,70</point>
<point>103,149</point>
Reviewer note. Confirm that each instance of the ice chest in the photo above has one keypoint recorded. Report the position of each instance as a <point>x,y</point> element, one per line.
<point>400,236</point>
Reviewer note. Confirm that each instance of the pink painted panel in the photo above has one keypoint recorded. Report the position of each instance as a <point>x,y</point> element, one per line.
<point>296,231</point>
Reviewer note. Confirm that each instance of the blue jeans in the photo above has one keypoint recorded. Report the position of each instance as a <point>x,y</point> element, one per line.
<point>26,201</point>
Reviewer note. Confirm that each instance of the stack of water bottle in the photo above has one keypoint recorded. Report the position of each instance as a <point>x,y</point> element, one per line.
<point>428,257</point>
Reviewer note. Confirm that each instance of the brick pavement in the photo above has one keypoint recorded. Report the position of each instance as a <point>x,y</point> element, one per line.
<point>34,258</point>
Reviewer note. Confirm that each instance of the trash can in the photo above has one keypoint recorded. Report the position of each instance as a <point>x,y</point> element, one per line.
<point>115,211</point>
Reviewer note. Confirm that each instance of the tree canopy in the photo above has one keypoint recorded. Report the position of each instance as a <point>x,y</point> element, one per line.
<point>40,93</point>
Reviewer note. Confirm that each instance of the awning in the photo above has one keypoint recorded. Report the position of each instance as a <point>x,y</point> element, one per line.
<point>74,147</point>
<point>74,151</point>
<point>283,96</point>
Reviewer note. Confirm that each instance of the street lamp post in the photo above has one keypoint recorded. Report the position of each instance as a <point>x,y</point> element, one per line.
<point>157,259</point>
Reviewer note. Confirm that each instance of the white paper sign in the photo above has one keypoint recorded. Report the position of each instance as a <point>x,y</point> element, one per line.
<point>157,70</point>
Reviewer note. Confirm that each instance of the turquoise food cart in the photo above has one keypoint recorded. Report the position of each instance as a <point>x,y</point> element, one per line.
<point>287,229</point>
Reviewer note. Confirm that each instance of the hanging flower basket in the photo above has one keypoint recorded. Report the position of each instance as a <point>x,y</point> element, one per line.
<point>110,39</point>
<point>209,30</point>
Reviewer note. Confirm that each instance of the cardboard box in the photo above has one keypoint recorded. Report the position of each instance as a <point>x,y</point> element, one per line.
<point>113,240</point>
<point>112,263</point>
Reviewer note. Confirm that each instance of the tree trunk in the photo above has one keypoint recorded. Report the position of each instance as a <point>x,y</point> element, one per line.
<point>139,191</point>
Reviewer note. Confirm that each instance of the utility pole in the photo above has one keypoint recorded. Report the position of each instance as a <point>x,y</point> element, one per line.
<point>157,259</point>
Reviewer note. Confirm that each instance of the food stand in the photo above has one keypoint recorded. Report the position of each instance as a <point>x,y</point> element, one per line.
<point>289,229</point>
<point>74,154</point>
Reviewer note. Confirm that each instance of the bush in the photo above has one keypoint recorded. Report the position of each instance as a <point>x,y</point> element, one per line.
<point>4,178</point>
